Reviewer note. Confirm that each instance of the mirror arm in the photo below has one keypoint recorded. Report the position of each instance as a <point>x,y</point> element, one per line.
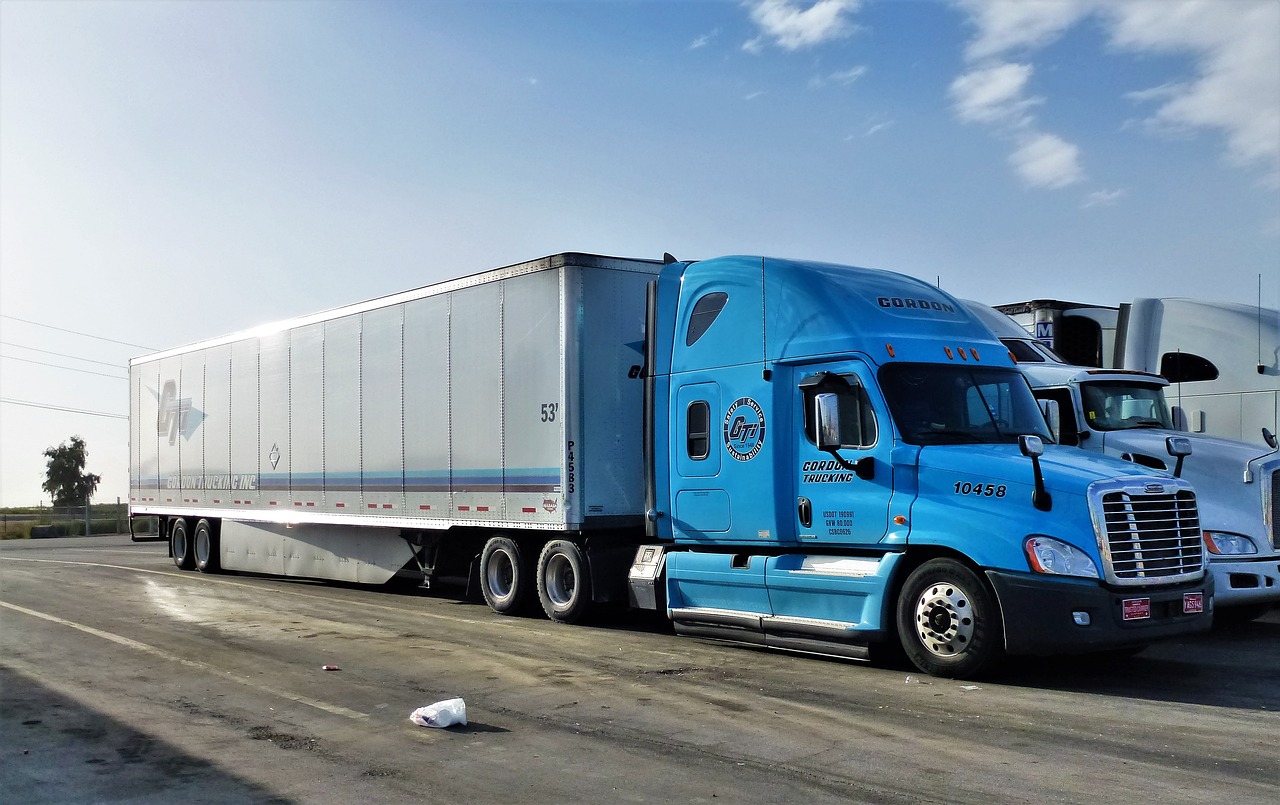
<point>864,468</point>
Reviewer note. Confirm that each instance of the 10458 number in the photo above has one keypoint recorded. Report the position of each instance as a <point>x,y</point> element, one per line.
<point>982,490</point>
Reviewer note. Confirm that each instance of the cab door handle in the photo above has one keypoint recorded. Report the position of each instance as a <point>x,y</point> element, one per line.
<point>805,509</point>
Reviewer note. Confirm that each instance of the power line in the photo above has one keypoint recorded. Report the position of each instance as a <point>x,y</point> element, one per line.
<point>73,332</point>
<point>11,401</point>
<point>61,354</point>
<point>60,366</point>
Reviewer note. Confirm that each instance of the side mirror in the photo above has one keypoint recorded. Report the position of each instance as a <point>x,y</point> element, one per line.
<point>1179,447</point>
<point>827,419</point>
<point>1032,447</point>
<point>1270,439</point>
<point>1053,415</point>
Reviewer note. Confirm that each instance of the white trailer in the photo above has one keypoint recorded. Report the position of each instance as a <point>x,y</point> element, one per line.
<point>456,406</point>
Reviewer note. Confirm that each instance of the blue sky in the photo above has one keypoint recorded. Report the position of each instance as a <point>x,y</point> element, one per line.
<point>175,171</point>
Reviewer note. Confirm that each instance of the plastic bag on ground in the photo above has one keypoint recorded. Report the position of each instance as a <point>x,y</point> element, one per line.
<point>441,714</point>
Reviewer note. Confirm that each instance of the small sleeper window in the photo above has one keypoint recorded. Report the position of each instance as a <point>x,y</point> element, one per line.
<point>704,313</point>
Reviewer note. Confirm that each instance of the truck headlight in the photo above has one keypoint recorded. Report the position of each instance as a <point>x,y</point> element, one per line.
<point>1048,555</point>
<point>1223,544</point>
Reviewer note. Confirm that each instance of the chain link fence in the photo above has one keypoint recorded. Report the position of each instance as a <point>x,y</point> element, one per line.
<point>64,521</point>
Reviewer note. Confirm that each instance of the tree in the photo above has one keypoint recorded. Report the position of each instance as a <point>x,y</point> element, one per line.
<point>65,479</point>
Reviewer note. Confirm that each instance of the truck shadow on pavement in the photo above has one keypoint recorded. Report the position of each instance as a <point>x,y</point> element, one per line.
<point>54,749</point>
<point>1230,666</point>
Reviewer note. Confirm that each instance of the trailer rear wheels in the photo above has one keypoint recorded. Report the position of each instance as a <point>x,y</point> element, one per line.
<point>504,576</point>
<point>205,543</point>
<point>948,620</point>
<point>564,585</point>
<point>184,556</point>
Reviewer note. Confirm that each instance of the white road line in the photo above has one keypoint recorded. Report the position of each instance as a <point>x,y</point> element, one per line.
<point>155,652</point>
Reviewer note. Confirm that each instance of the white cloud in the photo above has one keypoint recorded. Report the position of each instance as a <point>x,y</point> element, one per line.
<point>1003,25</point>
<point>1046,160</point>
<point>1234,49</point>
<point>1103,198</point>
<point>1236,89</point>
<point>790,27</point>
<point>842,77</point>
<point>703,40</point>
<point>993,94</point>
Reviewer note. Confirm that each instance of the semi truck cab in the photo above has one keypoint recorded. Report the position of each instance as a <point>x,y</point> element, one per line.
<point>845,460</point>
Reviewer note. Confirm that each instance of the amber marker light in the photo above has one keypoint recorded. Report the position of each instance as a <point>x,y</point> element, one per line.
<point>889,347</point>
<point>974,353</point>
<point>1209,544</point>
<point>950,356</point>
<point>898,519</point>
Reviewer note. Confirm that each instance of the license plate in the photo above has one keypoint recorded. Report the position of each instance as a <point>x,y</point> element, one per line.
<point>1192,602</point>
<point>1136,609</point>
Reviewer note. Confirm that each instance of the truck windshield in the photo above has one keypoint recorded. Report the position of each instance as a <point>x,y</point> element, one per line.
<point>947,404</point>
<point>1120,405</point>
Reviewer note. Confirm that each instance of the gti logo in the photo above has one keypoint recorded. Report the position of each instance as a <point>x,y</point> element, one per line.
<point>173,415</point>
<point>744,429</point>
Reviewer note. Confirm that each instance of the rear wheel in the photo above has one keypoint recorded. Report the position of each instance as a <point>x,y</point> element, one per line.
<point>205,544</point>
<point>948,620</point>
<point>504,576</point>
<point>180,545</point>
<point>564,585</point>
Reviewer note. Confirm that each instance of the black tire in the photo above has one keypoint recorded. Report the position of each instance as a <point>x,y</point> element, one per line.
<point>949,621</point>
<point>204,543</point>
<point>504,576</point>
<point>184,557</point>
<point>564,583</point>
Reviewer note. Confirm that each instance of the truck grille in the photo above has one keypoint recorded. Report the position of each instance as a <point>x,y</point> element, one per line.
<point>1152,537</point>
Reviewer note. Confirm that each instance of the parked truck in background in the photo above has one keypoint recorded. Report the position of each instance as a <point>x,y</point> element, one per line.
<point>797,455</point>
<point>1221,359</point>
<point>1124,414</point>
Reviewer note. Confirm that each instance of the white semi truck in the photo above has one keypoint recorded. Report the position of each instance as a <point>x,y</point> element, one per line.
<point>790,454</point>
<point>1222,360</point>
<point>1124,413</point>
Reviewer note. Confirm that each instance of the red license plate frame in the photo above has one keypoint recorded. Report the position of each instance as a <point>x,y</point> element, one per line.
<point>1192,603</point>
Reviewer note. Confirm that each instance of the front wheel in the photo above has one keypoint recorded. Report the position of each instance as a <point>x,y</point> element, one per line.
<point>564,585</point>
<point>949,621</point>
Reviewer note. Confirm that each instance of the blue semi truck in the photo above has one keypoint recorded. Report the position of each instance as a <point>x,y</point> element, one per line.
<point>791,454</point>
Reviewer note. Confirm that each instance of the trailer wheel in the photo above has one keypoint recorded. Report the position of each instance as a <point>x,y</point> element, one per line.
<point>948,620</point>
<point>504,576</point>
<point>205,544</point>
<point>564,585</point>
<point>180,545</point>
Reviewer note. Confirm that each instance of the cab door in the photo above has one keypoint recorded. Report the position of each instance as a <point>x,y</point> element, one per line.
<point>842,498</point>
